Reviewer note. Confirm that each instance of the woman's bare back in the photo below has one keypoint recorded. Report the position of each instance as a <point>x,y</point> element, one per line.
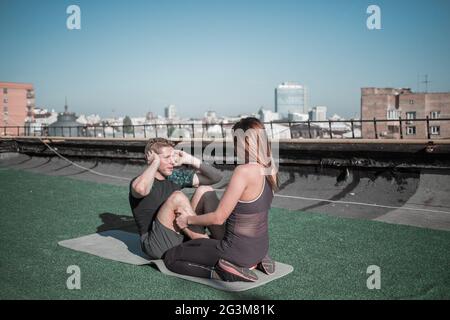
<point>254,176</point>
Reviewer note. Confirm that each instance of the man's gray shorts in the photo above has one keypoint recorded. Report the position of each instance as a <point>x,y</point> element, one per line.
<point>160,239</point>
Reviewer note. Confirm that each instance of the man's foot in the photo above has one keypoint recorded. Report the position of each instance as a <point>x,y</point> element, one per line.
<point>267,265</point>
<point>231,272</point>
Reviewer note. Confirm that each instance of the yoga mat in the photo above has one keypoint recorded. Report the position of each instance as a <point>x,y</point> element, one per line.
<point>125,247</point>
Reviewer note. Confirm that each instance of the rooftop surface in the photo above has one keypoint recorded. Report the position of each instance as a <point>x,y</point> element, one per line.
<point>330,253</point>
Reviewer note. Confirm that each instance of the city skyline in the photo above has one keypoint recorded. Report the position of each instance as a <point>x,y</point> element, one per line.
<point>222,56</point>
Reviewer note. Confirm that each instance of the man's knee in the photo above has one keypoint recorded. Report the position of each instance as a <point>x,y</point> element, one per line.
<point>177,197</point>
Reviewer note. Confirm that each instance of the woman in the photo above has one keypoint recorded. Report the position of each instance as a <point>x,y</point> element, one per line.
<point>243,208</point>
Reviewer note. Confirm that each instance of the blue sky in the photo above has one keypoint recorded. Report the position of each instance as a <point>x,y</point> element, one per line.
<point>138,56</point>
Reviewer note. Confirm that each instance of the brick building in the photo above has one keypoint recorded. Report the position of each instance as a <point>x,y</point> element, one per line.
<point>395,104</point>
<point>17,104</point>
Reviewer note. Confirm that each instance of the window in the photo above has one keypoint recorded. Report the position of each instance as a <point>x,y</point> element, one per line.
<point>411,101</point>
<point>411,115</point>
<point>435,114</point>
<point>410,130</point>
<point>435,130</point>
<point>5,100</point>
<point>393,129</point>
<point>393,114</point>
<point>5,90</point>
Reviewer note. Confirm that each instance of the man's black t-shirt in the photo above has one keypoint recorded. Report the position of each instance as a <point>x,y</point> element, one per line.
<point>145,209</point>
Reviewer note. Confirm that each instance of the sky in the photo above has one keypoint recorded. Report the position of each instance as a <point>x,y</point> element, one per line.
<point>132,57</point>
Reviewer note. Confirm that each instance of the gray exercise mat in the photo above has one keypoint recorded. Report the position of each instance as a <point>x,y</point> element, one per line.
<point>125,247</point>
<point>114,245</point>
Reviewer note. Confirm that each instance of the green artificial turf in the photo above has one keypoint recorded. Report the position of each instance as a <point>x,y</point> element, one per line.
<point>330,255</point>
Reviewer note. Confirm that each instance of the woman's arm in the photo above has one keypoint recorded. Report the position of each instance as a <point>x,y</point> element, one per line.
<point>234,191</point>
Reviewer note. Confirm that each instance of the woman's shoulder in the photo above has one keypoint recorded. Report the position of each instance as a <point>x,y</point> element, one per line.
<point>248,169</point>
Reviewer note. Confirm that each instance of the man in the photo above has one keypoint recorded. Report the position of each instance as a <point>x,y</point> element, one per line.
<point>155,197</point>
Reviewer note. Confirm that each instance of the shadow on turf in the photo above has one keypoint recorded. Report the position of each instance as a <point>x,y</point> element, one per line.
<point>112,221</point>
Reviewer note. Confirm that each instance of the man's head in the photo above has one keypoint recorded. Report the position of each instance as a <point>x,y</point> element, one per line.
<point>164,148</point>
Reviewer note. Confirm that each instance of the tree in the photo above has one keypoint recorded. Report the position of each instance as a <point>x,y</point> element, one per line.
<point>170,130</point>
<point>127,125</point>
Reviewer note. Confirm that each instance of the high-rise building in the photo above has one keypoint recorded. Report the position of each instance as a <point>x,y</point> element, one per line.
<point>17,105</point>
<point>393,104</point>
<point>290,97</point>
<point>318,113</point>
<point>170,112</point>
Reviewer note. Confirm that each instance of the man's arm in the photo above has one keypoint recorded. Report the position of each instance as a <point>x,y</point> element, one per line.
<point>143,184</point>
<point>206,175</point>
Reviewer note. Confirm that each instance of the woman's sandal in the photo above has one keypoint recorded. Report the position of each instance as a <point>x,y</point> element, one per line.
<point>231,272</point>
<point>267,265</point>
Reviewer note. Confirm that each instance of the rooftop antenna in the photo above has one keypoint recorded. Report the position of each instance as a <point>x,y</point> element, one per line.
<point>65,106</point>
<point>426,82</point>
<point>418,83</point>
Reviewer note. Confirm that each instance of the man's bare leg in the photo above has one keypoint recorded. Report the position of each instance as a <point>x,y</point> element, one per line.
<point>167,213</point>
<point>205,200</point>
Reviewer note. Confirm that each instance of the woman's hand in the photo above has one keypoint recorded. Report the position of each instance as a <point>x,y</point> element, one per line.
<point>182,218</point>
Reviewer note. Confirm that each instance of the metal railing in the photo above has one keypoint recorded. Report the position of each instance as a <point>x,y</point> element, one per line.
<point>424,128</point>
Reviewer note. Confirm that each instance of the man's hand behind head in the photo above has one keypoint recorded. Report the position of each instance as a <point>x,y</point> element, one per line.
<point>181,157</point>
<point>152,157</point>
